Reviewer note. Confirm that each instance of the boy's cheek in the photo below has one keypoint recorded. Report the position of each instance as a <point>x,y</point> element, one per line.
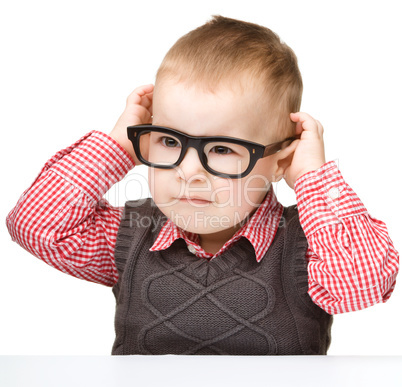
<point>223,192</point>
<point>162,186</point>
<point>252,192</point>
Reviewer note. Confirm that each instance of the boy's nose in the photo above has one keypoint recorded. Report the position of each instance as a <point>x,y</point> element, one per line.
<point>191,167</point>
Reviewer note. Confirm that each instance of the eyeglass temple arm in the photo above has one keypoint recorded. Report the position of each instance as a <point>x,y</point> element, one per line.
<point>278,146</point>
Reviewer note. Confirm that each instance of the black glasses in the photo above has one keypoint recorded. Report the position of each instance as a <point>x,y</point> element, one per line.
<point>160,147</point>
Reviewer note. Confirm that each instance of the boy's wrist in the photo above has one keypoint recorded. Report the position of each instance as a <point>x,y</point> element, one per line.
<point>313,174</point>
<point>324,198</point>
<point>93,164</point>
<point>122,141</point>
<point>309,170</point>
<point>125,146</point>
<point>310,176</point>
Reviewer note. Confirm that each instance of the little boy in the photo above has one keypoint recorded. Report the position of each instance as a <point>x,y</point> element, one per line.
<point>213,263</point>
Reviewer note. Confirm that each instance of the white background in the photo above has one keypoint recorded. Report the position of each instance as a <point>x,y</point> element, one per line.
<point>67,68</point>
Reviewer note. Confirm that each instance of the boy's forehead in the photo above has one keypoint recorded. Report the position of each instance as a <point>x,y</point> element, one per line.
<point>241,84</point>
<point>227,110</point>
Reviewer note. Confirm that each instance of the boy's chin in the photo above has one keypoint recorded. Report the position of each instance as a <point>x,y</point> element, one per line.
<point>207,220</point>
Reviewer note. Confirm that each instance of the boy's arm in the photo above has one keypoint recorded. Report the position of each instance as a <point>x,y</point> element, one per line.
<point>352,261</point>
<point>62,218</point>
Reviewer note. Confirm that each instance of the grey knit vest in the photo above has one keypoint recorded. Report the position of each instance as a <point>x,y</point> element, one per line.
<point>171,302</point>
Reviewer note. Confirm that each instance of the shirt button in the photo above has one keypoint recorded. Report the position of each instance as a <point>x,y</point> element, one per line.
<point>191,249</point>
<point>333,193</point>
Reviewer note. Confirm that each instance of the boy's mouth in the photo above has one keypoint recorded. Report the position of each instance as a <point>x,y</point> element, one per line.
<point>193,200</point>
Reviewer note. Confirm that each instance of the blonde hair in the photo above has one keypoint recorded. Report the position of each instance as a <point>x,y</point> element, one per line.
<point>223,50</point>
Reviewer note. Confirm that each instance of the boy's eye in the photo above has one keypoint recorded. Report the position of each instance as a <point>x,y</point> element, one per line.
<point>221,150</point>
<point>170,142</point>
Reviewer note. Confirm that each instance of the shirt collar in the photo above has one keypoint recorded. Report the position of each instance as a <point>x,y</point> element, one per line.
<point>260,230</point>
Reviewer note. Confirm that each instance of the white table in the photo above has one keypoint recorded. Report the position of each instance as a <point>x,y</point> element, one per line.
<point>205,371</point>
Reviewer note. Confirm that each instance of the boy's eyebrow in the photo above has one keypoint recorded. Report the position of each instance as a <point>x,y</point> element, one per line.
<point>191,136</point>
<point>166,126</point>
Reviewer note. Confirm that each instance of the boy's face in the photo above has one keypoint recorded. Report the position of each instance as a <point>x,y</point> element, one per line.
<point>194,199</point>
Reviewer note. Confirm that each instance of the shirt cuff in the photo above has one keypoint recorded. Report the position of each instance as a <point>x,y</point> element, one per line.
<point>324,198</point>
<point>93,164</point>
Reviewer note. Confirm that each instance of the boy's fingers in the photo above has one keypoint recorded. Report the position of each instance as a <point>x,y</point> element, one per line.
<point>136,96</point>
<point>146,101</point>
<point>292,147</point>
<point>307,122</point>
<point>300,116</point>
<point>285,152</point>
<point>320,128</point>
<point>299,128</point>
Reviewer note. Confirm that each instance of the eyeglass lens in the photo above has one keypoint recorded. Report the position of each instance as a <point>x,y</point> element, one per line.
<point>165,149</point>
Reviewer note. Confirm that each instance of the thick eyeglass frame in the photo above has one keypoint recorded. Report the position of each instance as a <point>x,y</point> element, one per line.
<point>256,150</point>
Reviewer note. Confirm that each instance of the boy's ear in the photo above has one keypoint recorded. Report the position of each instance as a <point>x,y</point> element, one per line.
<point>283,159</point>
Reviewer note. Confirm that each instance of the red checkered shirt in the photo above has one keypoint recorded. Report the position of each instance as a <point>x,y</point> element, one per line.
<point>64,220</point>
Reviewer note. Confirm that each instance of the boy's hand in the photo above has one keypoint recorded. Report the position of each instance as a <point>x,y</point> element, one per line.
<point>138,111</point>
<point>309,152</point>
